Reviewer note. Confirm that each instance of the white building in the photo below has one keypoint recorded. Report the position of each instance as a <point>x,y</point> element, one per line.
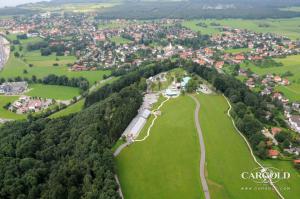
<point>295,122</point>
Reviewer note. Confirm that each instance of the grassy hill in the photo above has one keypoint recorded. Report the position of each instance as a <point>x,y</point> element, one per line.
<point>166,164</point>
<point>227,153</point>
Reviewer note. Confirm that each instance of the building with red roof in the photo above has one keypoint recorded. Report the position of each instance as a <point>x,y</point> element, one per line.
<point>273,153</point>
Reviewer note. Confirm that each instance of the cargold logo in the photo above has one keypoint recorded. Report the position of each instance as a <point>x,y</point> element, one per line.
<point>264,175</point>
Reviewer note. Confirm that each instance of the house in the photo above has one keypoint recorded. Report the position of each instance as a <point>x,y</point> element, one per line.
<point>294,121</point>
<point>277,79</point>
<point>77,67</point>
<point>208,52</point>
<point>273,153</point>
<point>240,57</point>
<point>277,96</point>
<point>219,64</point>
<point>285,82</point>
<point>275,130</point>
<point>297,162</point>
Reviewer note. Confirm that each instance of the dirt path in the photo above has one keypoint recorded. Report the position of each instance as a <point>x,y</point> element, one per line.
<point>202,148</point>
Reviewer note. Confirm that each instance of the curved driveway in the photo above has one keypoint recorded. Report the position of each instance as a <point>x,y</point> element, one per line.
<point>202,148</point>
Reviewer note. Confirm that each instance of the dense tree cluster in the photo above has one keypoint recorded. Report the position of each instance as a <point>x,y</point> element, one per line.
<point>69,157</point>
<point>195,43</point>
<point>63,80</point>
<point>47,49</point>
<point>79,82</point>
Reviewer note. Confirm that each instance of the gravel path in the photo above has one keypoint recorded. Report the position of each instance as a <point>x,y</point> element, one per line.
<point>202,147</point>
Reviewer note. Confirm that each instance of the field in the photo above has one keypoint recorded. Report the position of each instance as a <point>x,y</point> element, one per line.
<point>53,91</point>
<point>237,50</point>
<point>192,24</point>
<point>120,40</point>
<point>285,27</point>
<point>6,114</point>
<point>290,63</point>
<point>74,7</point>
<point>227,153</point>
<point>74,108</point>
<point>166,164</point>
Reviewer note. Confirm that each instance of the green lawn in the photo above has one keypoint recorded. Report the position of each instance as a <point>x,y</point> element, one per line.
<point>287,27</point>
<point>35,58</point>
<point>53,91</point>
<point>292,92</point>
<point>166,165</point>
<point>74,108</point>
<point>227,153</point>
<point>6,114</point>
<point>237,50</point>
<point>120,40</point>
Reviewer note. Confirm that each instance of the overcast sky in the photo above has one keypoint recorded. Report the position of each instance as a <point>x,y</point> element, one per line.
<point>4,3</point>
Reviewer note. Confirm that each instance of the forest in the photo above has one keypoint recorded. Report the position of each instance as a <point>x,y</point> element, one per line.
<point>69,157</point>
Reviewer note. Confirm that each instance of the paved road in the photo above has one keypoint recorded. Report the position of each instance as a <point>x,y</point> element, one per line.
<point>202,147</point>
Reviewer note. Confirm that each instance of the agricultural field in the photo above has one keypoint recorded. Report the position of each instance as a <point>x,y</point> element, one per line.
<point>6,114</point>
<point>166,164</point>
<point>226,152</point>
<point>53,92</point>
<point>286,27</point>
<point>290,63</point>
<point>74,108</point>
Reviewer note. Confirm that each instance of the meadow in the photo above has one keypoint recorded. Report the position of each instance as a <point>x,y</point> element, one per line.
<point>237,50</point>
<point>6,114</point>
<point>74,108</point>
<point>227,155</point>
<point>53,91</point>
<point>120,40</point>
<point>286,27</point>
<point>166,164</point>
